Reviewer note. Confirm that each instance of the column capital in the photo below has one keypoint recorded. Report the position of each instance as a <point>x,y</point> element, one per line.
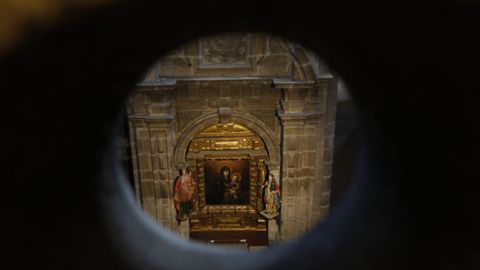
<point>298,118</point>
<point>151,121</point>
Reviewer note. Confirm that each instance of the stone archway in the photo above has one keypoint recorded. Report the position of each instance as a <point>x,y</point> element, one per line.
<point>220,199</point>
<point>188,133</point>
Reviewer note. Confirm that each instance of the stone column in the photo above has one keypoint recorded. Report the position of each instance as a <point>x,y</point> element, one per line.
<point>163,172</point>
<point>300,115</point>
<point>273,232</point>
<point>184,229</point>
<point>325,142</point>
<point>151,118</point>
<point>142,166</point>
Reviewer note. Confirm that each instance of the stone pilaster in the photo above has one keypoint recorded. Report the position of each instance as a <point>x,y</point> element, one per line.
<point>163,173</point>
<point>184,229</point>
<point>320,203</point>
<point>300,115</point>
<point>273,232</point>
<point>151,120</point>
<point>142,166</point>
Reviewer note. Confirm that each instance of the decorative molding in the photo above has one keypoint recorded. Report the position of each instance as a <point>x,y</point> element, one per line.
<point>227,217</point>
<point>204,209</point>
<point>220,144</point>
<point>222,137</point>
<point>206,120</point>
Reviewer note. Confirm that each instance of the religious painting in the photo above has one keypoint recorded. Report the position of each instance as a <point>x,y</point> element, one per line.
<point>227,181</point>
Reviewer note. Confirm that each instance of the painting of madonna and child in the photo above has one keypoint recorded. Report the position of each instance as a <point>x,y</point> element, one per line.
<point>227,181</point>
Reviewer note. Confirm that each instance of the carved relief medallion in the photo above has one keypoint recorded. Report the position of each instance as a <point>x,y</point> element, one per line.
<point>225,49</point>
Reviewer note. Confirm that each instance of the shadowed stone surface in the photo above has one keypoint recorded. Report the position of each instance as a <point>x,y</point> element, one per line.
<point>413,71</point>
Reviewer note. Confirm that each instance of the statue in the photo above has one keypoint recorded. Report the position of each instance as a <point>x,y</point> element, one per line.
<point>271,197</point>
<point>183,194</point>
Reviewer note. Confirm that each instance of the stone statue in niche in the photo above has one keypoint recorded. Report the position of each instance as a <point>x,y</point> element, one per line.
<point>271,197</point>
<point>183,194</point>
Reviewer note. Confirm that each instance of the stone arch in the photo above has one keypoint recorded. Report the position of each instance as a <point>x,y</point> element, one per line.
<point>302,63</point>
<point>206,120</point>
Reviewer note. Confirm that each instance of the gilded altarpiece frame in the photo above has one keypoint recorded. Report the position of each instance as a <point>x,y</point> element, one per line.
<point>227,144</point>
<point>251,207</point>
<point>228,217</point>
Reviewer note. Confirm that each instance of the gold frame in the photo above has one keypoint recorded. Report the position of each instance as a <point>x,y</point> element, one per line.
<point>204,208</point>
<point>237,142</point>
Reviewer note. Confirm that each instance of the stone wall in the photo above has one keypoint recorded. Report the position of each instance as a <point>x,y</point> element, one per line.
<point>307,123</point>
<point>291,107</point>
<point>161,118</point>
<point>234,55</point>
